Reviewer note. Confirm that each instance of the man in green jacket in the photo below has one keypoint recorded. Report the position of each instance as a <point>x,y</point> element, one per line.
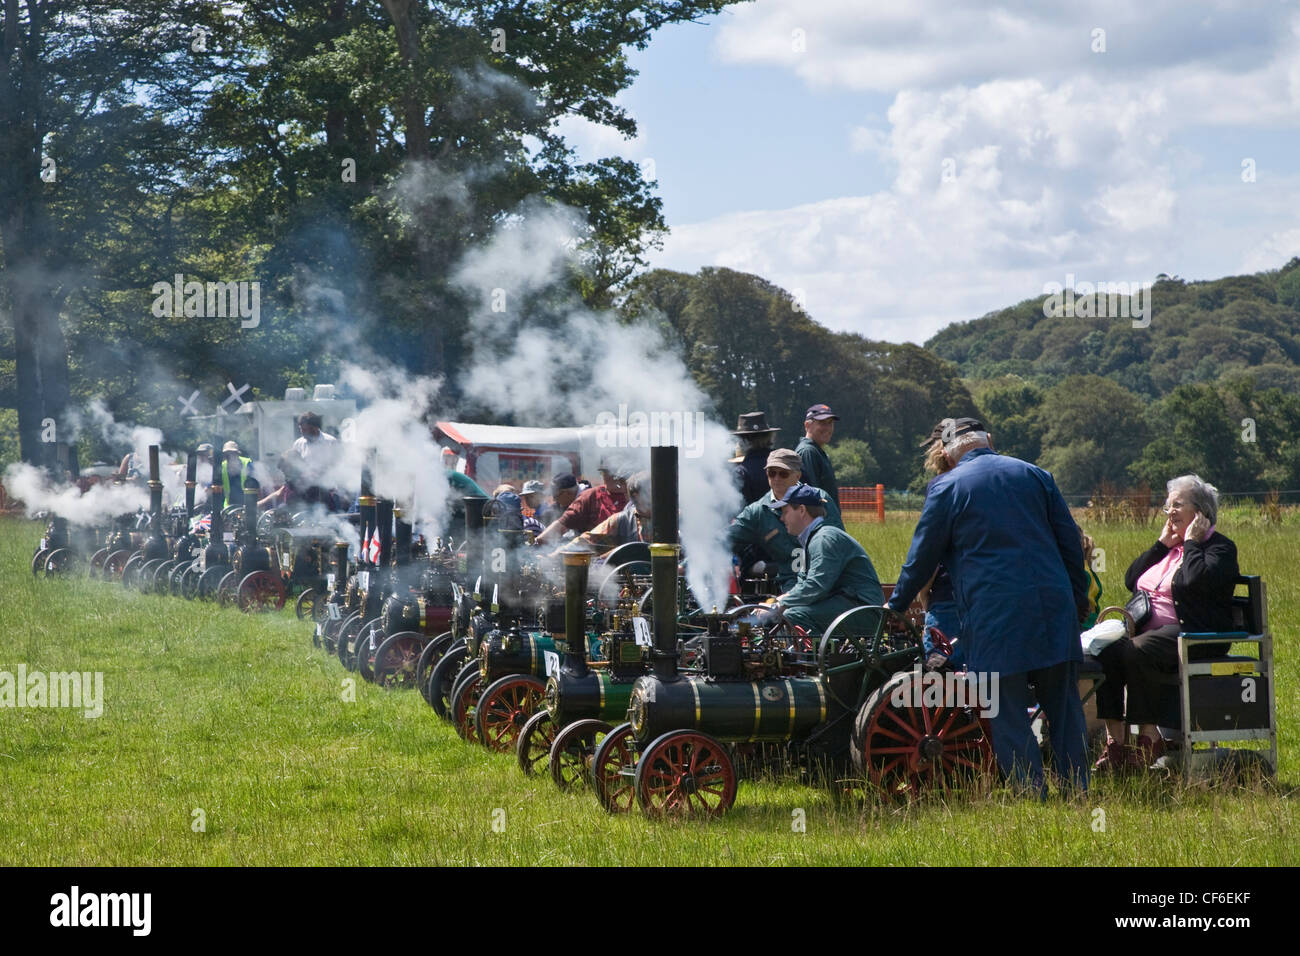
<point>757,534</point>
<point>836,574</point>
<point>818,427</point>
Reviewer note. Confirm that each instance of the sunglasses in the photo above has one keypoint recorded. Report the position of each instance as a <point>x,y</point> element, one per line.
<point>778,473</point>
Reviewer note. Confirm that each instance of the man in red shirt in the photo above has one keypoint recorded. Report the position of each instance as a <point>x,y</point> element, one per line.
<point>592,506</point>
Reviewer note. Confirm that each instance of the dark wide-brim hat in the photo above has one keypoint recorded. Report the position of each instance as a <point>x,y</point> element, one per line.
<point>753,423</point>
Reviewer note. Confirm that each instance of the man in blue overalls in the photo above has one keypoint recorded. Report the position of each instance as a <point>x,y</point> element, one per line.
<point>1003,531</point>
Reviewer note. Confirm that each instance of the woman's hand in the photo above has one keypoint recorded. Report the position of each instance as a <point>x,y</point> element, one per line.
<point>1170,537</point>
<point>1196,530</point>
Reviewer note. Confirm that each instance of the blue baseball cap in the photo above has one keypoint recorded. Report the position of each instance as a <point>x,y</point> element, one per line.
<point>820,413</point>
<point>800,494</point>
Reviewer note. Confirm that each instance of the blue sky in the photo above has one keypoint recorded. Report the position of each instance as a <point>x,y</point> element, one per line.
<point>807,141</point>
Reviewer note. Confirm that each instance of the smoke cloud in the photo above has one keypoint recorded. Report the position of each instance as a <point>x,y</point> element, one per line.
<point>544,363</point>
<point>97,506</point>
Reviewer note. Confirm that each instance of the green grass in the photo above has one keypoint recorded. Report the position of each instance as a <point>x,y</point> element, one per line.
<point>239,717</point>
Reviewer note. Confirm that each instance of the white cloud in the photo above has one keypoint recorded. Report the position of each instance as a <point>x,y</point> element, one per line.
<point>1018,155</point>
<point>594,141</point>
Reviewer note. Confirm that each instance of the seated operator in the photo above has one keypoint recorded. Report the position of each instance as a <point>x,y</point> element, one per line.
<point>836,574</point>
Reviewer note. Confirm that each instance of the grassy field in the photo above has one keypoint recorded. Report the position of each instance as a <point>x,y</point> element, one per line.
<point>226,739</point>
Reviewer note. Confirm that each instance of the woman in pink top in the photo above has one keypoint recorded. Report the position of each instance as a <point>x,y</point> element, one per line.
<point>1189,575</point>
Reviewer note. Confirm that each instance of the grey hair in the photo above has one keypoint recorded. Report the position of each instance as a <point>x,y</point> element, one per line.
<point>964,443</point>
<point>1201,495</point>
<point>638,483</point>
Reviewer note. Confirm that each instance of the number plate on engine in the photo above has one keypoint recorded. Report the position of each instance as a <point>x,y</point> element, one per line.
<point>333,611</point>
<point>552,663</point>
<point>641,630</point>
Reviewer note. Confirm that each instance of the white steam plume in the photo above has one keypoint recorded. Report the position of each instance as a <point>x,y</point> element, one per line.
<point>587,366</point>
<point>393,434</point>
<point>99,505</point>
<point>122,437</point>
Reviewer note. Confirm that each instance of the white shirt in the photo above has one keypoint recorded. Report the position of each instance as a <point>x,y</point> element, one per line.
<point>319,455</point>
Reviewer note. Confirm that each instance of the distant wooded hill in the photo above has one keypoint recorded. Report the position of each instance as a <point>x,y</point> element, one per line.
<point>1211,385</point>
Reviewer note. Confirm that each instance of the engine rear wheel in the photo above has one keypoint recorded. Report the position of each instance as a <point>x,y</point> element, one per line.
<point>305,606</point>
<point>97,562</point>
<point>503,709</point>
<point>612,769</point>
<point>115,564</point>
<point>533,748</point>
<point>261,591</point>
<point>443,676</point>
<point>685,773</point>
<point>397,658</point>
<point>59,561</point>
<point>573,751</point>
<point>464,703</point>
<point>346,648</point>
<point>210,580</point>
<point>429,656</point>
<point>131,570</point>
<point>368,643</point>
<point>905,744</point>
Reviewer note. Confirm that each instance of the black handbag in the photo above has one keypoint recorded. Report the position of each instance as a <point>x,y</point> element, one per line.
<point>1139,609</point>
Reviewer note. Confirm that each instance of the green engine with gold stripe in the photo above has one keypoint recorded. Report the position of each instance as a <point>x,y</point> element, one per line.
<point>772,709</point>
<point>513,651</point>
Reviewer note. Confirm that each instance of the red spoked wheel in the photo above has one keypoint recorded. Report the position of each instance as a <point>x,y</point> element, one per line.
<point>906,744</point>
<point>685,773</point>
<point>573,750</point>
<point>397,658</point>
<point>97,562</point>
<point>613,769</point>
<point>503,709</point>
<point>463,705</point>
<point>533,747</point>
<point>261,591</point>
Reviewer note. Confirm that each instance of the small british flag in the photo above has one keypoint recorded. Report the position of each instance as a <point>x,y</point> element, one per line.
<point>203,524</point>
<point>372,550</point>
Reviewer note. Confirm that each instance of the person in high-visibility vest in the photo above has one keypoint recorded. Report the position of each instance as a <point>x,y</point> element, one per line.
<point>237,466</point>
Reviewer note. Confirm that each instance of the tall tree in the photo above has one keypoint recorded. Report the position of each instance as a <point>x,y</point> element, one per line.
<point>92,96</point>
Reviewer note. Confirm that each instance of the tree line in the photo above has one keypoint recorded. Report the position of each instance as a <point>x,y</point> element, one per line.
<point>346,155</point>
